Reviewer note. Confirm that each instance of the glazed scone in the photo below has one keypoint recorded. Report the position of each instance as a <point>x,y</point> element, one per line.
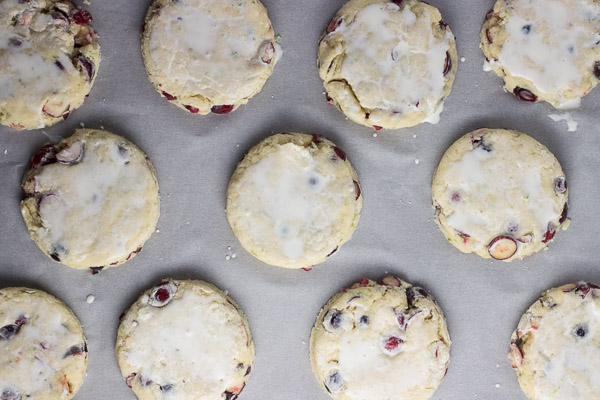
<point>91,201</point>
<point>185,340</point>
<point>205,55</point>
<point>294,200</point>
<point>545,50</point>
<point>380,342</point>
<point>43,352</point>
<point>556,346</point>
<point>500,194</point>
<point>388,64</point>
<point>48,61</point>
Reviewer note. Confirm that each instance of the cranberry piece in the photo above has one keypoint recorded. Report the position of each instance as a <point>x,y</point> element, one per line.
<point>580,331</point>
<point>391,281</point>
<point>7,332</point>
<point>488,35</point>
<point>234,392</point>
<point>404,319</point>
<point>525,95</point>
<point>85,66</point>
<point>162,294</point>
<point>144,27</point>
<point>447,64</point>
<point>364,321</point>
<point>334,24</point>
<point>192,109</point>
<point>585,288</point>
<point>81,17</point>
<point>44,156</point>
<point>129,379</point>
<point>9,394</point>
<point>169,97</point>
<point>526,29</point>
<point>334,382</point>
<point>307,268</point>
<point>223,109</point>
<point>267,53</point>
<point>516,354</point>
<point>356,189</point>
<point>443,25</point>
<point>339,153</point>
<point>59,65</point>
<point>15,42</point>
<point>597,69</point>
<point>512,227</point>
<point>21,320</point>
<point>489,14</point>
<point>56,110</point>
<point>316,138</point>
<point>335,319</point>
<point>397,2</point>
<point>85,36</point>
<point>377,128</point>
<point>333,251</point>
<point>75,350</point>
<point>166,388</point>
<point>96,270</point>
<point>56,257</point>
<point>502,247</point>
<point>560,184</point>
<point>550,232</point>
<point>248,370</point>
<point>60,18</point>
<point>455,197</point>
<point>71,154</point>
<point>414,293</point>
<point>392,343</point>
<point>563,215</point>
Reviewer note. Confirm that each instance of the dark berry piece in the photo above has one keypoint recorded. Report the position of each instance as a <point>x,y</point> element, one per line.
<point>455,197</point>
<point>339,153</point>
<point>267,53</point>
<point>129,379</point>
<point>21,320</point>
<point>525,95</point>
<point>392,343</point>
<point>560,184</point>
<point>443,25</point>
<point>397,2</point>
<point>166,388</point>
<point>81,17</point>
<point>60,18</point>
<point>15,41</point>
<point>316,138</point>
<point>597,69</point>
<point>550,232</point>
<point>169,97</point>
<point>44,156</point>
<point>335,319</point>
<point>162,294</point>
<point>223,109</point>
<point>71,154</point>
<point>488,35</point>
<point>85,66</point>
<point>59,65</point>
<point>563,215</point>
<point>580,331</point>
<point>334,382</point>
<point>364,320</point>
<point>526,29</point>
<point>75,350</point>
<point>8,332</point>
<point>96,270</point>
<point>9,394</point>
<point>447,64</point>
<point>248,370</point>
<point>502,247</point>
<point>192,109</point>
<point>356,189</point>
<point>55,256</point>
<point>333,25</point>
<point>333,251</point>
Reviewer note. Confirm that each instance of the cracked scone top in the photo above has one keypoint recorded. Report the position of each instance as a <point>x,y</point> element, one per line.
<point>556,346</point>
<point>185,340</point>
<point>92,200</point>
<point>294,200</point>
<point>545,50</point>
<point>43,352</point>
<point>380,342</point>
<point>205,55</point>
<point>500,194</point>
<point>388,64</point>
<point>48,61</point>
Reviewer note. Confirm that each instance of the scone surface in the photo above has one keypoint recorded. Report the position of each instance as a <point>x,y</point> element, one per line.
<point>500,194</point>
<point>294,200</point>
<point>388,64</point>
<point>48,61</point>
<point>92,200</point>
<point>380,342</point>
<point>206,55</point>
<point>545,50</point>
<point>187,340</point>
<point>556,346</point>
<point>43,352</point>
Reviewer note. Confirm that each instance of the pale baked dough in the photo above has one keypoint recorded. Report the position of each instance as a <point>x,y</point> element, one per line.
<point>92,200</point>
<point>556,346</point>
<point>185,340</point>
<point>43,352</point>
<point>294,200</point>
<point>380,342</point>
<point>205,55</point>
<point>388,64</point>
<point>545,50</point>
<point>499,193</point>
<point>49,58</point>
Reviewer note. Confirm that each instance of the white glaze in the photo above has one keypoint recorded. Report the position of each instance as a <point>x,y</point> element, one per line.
<point>568,118</point>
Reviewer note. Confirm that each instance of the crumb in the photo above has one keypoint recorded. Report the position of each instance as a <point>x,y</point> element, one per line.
<point>90,298</point>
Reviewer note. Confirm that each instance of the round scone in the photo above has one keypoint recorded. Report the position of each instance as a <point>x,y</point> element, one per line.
<point>380,342</point>
<point>91,201</point>
<point>500,194</point>
<point>294,200</point>
<point>43,352</point>
<point>48,61</point>
<point>556,346</point>
<point>185,340</point>
<point>545,50</point>
<point>205,55</point>
<point>388,64</point>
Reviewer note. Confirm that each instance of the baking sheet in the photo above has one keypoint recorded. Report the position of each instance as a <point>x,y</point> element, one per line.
<point>195,155</point>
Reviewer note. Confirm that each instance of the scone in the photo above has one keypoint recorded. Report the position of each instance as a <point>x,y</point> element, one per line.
<point>556,346</point>
<point>185,340</point>
<point>500,194</point>
<point>205,55</point>
<point>294,200</point>
<point>91,201</point>
<point>388,64</point>
<point>380,342</point>
<point>545,50</point>
<point>48,61</point>
<point>43,353</point>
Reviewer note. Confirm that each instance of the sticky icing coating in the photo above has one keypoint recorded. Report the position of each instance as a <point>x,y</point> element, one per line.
<point>208,56</point>
<point>380,341</point>
<point>294,200</point>
<point>49,58</point>
<point>43,352</point>
<point>92,200</point>
<point>388,64</point>
<point>500,194</point>
<point>546,50</point>
<point>196,346</point>
<point>556,346</point>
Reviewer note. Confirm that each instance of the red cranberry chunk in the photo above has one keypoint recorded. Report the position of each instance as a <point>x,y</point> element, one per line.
<point>563,215</point>
<point>169,97</point>
<point>44,156</point>
<point>447,64</point>
<point>10,394</point>
<point>96,270</point>
<point>192,109</point>
<point>397,2</point>
<point>377,128</point>
<point>560,184</point>
<point>356,189</point>
<point>525,95</point>
<point>334,24</point>
<point>550,232</point>
<point>339,152</point>
<point>597,69</point>
<point>391,281</point>
<point>267,53</point>
<point>71,154</point>
<point>223,109</point>
<point>8,332</point>
<point>60,18</point>
<point>81,17</point>
<point>162,294</point>
<point>129,379</point>
<point>75,350</point>
<point>580,331</point>
<point>333,251</point>
<point>502,247</point>
<point>488,35</point>
<point>55,109</point>
<point>392,343</point>
<point>85,66</point>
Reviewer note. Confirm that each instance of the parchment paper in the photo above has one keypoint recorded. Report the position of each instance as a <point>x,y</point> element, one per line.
<point>195,155</point>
